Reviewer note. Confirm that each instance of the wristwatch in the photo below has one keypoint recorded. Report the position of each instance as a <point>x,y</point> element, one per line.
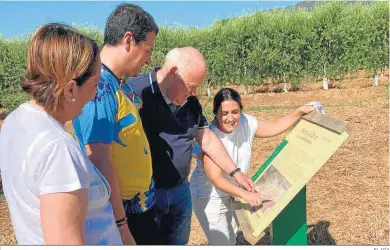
<point>234,172</point>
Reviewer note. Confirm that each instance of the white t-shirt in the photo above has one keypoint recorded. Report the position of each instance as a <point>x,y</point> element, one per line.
<point>37,156</point>
<point>238,144</point>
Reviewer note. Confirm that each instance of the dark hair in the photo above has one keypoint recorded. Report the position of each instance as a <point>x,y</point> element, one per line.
<point>128,18</point>
<point>57,54</point>
<point>225,94</point>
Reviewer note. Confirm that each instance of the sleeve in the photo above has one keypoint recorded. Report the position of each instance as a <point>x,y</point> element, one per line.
<point>202,121</point>
<point>62,168</point>
<point>97,121</point>
<point>252,122</point>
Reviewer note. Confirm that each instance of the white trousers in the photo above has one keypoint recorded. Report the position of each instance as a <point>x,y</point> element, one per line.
<point>217,219</point>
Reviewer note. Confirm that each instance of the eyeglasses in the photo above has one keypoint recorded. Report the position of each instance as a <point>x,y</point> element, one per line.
<point>130,94</point>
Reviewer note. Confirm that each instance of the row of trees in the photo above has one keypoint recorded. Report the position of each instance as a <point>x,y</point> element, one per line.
<point>282,45</point>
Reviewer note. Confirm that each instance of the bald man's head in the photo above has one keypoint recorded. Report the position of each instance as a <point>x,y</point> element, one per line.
<point>188,69</point>
<point>188,60</point>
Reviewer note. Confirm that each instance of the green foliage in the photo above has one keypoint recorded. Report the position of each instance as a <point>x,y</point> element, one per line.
<point>282,45</point>
<point>91,32</point>
<point>13,56</point>
<point>11,101</point>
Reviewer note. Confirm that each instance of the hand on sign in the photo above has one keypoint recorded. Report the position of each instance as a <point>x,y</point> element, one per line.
<point>255,199</point>
<point>245,181</point>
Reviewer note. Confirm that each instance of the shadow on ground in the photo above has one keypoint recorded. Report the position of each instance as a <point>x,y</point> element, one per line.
<point>317,234</point>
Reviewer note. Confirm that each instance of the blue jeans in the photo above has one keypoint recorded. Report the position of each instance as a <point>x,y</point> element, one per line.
<point>174,210</point>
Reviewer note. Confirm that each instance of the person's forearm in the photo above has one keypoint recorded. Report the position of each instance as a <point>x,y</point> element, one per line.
<point>226,186</point>
<point>287,121</point>
<point>268,129</point>
<point>218,154</point>
<point>214,148</point>
<point>115,197</point>
<point>217,178</point>
<point>102,160</point>
<point>100,154</point>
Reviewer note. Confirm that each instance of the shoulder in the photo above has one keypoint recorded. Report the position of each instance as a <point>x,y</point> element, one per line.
<point>139,83</point>
<point>58,141</point>
<point>105,102</point>
<point>50,146</point>
<point>194,103</point>
<point>106,87</point>
<point>62,167</point>
<point>244,122</point>
<point>248,118</point>
<point>250,123</point>
<point>141,79</point>
<point>62,150</point>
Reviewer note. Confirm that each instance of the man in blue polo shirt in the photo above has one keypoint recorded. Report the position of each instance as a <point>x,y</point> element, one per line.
<point>110,129</point>
<point>172,117</point>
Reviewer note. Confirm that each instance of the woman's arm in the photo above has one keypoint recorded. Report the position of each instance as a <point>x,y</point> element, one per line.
<point>63,217</point>
<point>268,129</point>
<point>215,175</point>
<point>214,148</point>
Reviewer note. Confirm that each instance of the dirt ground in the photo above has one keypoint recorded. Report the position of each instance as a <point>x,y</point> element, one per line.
<point>348,199</point>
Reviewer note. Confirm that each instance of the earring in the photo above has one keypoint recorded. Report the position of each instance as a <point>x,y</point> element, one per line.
<point>73,100</point>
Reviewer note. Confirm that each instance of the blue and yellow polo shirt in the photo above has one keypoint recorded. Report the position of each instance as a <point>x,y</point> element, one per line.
<point>112,118</point>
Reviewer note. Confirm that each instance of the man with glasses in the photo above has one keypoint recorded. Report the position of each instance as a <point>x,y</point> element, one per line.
<point>110,130</point>
<point>172,118</point>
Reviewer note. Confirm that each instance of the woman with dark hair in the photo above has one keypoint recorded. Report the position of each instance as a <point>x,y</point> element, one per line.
<point>211,189</point>
<point>55,194</point>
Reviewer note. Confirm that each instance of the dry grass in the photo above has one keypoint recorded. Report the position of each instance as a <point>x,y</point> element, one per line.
<point>348,199</point>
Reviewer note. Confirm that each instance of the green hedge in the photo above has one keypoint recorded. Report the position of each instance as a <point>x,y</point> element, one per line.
<point>282,45</point>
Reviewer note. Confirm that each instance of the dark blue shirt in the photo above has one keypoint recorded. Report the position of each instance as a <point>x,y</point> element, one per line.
<point>170,134</point>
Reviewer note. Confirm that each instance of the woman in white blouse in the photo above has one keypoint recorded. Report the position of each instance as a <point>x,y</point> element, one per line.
<point>55,194</point>
<point>211,189</point>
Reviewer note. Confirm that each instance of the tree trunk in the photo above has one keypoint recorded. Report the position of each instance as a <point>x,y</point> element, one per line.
<point>208,92</point>
<point>375,81</point>
<point>324,79</point>
<point>285,90</point>
<point>246,90</point>
<point>325,83</point>
<point>284,84</point>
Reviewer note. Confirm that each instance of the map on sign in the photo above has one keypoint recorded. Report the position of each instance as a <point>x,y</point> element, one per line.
<point>294,162</point>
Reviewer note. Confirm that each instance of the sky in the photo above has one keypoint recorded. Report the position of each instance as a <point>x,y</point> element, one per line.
<point>18,19</point>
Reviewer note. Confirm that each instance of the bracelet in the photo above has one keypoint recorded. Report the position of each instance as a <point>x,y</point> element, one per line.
<point>121,222</point>
<point>234,171</point>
